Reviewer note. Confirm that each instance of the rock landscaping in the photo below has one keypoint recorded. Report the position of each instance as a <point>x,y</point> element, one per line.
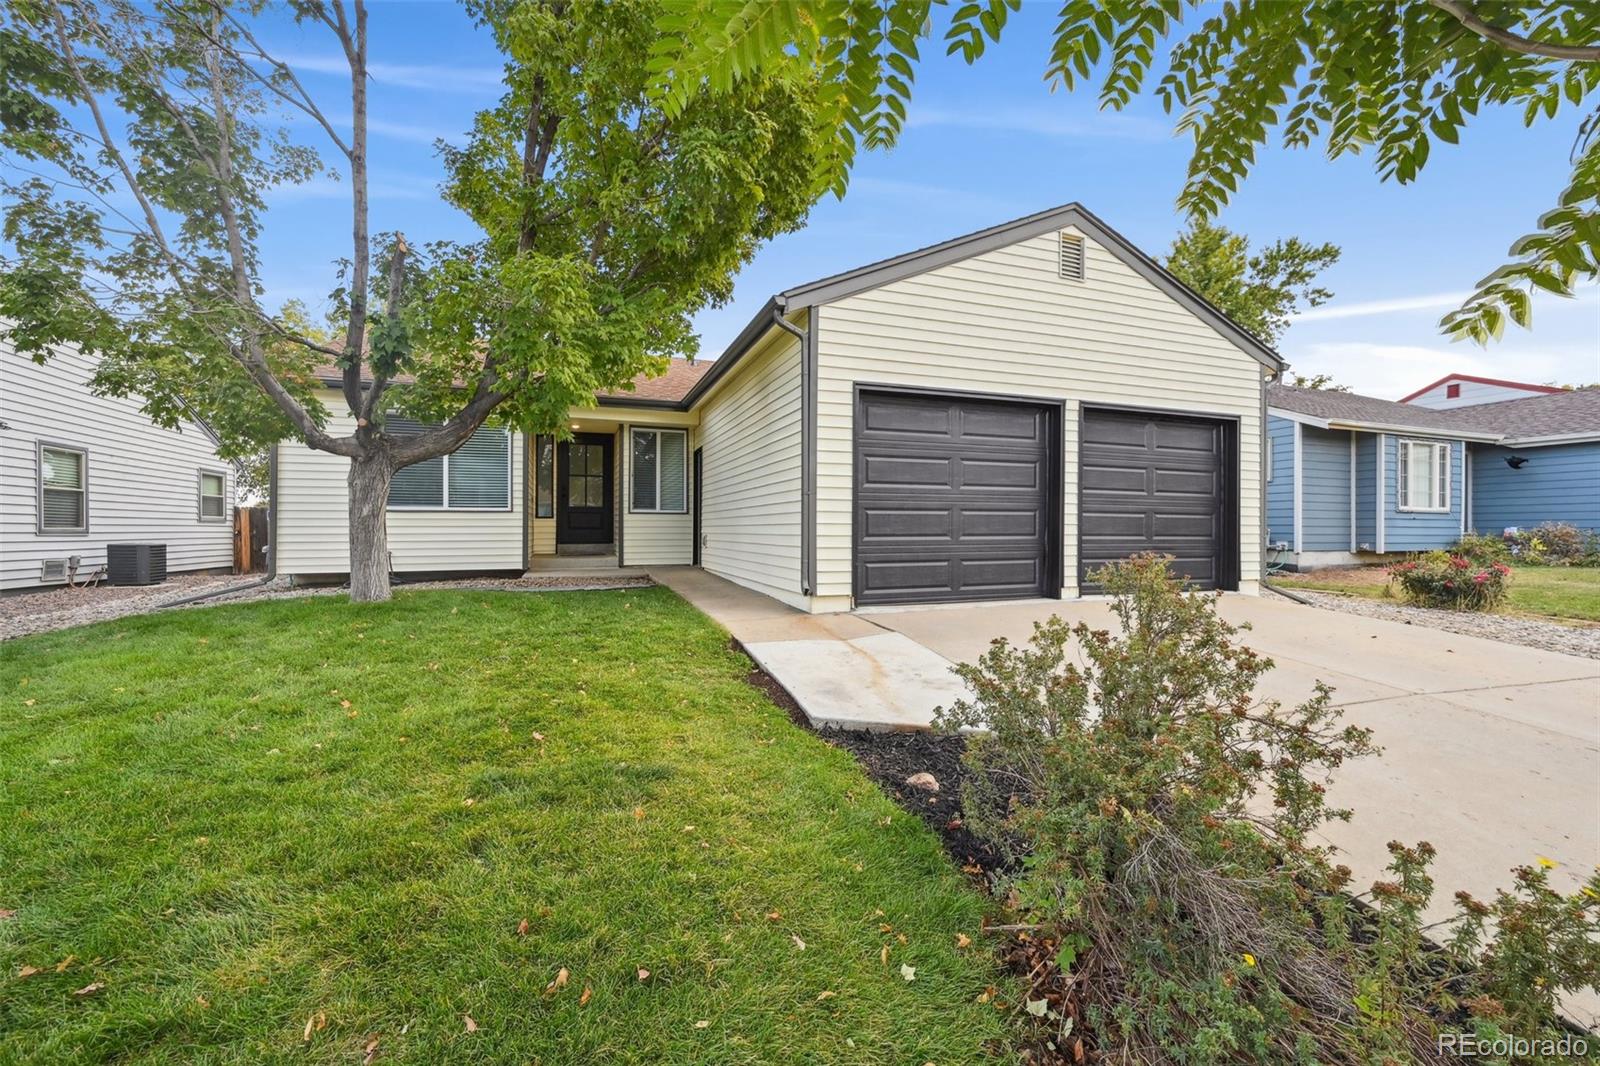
<point>1510,629</point>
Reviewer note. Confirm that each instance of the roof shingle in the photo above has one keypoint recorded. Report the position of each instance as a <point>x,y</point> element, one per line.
<point>1570,411</point>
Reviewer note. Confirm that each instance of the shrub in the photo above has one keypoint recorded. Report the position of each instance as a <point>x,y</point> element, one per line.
<point>1556,544</point>
<point>1450,581</point>
<point>1162,824</point>
<point>1483,550</point>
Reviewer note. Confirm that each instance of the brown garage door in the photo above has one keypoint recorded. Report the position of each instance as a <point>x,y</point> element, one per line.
<point>952,498</point>
<point>1152,483</point>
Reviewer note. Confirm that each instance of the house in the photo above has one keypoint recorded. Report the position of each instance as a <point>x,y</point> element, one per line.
<point>79,471</point>
<point>991,417</point>
<point>1464,390</point>
<point>1354,478</point>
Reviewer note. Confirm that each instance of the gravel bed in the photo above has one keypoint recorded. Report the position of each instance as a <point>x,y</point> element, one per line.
<point>1506,628</point>
<point>62,608</point>
<point>42,612</point>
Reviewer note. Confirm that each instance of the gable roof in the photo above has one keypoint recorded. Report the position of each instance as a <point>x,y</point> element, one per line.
<point>1448,378</point>
<point>1573,413</point>
<point>897,268</point>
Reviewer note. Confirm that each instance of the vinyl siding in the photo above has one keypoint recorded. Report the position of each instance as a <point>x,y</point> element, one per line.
<point>1280,490</point>
<point>143,481</point>
<point>1472,392</point>
<point>313,518</point>
<point>1325,495</point>
<point>750,493</point>
<point>1560,483</point>
<point>1006,323</point>
<point>1366,491</point>
<point>1406,531</point>
<point>651,538</point>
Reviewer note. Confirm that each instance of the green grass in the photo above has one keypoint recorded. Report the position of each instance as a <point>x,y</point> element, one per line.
<point>1552,591</point>
<point>191,812</point>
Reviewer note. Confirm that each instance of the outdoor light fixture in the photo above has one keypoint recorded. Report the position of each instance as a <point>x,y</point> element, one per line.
<point>1516,462</point>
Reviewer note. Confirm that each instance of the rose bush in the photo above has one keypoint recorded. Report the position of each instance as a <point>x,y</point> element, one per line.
<point>1450,581</point>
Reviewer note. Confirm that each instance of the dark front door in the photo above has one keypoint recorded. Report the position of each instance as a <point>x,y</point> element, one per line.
<point>696,490</point>
<point>584,495</point>
<point>1154,483</point>
<point>953,498</point>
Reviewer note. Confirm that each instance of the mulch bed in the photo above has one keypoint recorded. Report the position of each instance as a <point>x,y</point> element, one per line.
<point>889,759</point>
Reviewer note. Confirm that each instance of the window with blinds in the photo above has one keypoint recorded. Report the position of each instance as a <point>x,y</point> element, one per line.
<point>1423,476</point>
<point>63,490</point>
<point>213,496</point>
<point>660,476</point>
<point>475,477</point>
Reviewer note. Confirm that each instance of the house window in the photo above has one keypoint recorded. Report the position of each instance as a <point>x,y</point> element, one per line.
<point>213,496</point>
<point>1452,392</point>
<point>63,489</point>
<point>660,478</point>
<point>544,488</point>
<point>586,475</point>
<point>1424,476</point>
<point>475,477</point>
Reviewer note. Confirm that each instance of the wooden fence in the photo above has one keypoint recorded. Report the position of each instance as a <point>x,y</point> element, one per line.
<point>249,540</point>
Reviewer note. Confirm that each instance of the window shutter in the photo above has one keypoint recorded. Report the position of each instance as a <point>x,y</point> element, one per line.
<point>644,469</point>
<point>1071,257</point>
<point>478,470</point>
<point>673,478</point>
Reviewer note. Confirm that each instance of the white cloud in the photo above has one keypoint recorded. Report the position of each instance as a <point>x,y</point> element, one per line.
<point>1390,371</point>
<point>326,188</point>
<point>408,75</point>
<point>923,194</point>
<point>1040,123</point>
<point>1438,301</point>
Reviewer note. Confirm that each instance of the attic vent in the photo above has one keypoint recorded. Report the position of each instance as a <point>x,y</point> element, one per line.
<point>1071,257</point>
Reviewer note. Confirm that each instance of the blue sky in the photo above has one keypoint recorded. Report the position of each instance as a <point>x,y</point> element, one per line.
<point>989,143</point>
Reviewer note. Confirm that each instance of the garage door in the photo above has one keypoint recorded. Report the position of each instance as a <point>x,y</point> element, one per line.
<point>1152,483</point>
<point>952,498</point>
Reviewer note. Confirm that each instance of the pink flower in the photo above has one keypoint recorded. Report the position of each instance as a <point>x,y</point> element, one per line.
<point>1449,584</point>
<point>1502,569</point>
<point>1459,563</point>
<point>1481,577</point>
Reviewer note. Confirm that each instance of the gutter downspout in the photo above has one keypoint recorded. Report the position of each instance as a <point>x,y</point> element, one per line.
<point>808,441</point>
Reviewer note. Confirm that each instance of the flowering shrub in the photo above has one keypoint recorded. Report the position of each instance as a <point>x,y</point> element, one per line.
<point>1483,550</point>
<point>1451,581</point>
<point>1555,544</point>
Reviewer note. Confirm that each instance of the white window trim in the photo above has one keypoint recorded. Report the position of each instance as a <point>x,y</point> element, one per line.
<point>200,495</point>
<point>38,498</point>
<point>511,498</point>
<point>658,509</point>
<point>1402,463</point>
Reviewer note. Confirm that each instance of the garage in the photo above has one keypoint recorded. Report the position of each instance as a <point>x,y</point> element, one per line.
<point>1151,482</point>
<point>956,498</point>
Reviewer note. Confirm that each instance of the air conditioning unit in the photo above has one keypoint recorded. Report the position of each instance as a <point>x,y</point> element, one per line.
<point>136,564</point>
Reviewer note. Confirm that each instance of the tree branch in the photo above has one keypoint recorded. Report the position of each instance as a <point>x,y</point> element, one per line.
<point>1506,39</point>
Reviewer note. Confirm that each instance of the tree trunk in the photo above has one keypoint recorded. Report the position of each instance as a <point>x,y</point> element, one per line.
<point>370,476</point>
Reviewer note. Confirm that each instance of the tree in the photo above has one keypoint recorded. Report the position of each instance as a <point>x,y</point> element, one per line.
<point>1321,382</point>
<point>1393,77</point>
<point>1259,292</point>
<point>145,138</point>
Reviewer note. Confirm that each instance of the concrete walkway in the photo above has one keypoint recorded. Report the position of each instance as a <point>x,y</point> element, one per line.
<point>844,670</point>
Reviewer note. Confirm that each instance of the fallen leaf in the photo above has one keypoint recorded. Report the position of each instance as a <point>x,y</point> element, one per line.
<point>774,916</point>
<point>963,940</point>
<point>345,704</point>
<point>902,938</point>
<point>702,1024</point>
<point>202,1001</point>
<point>472,1026</point>
<point>825,995</point>
<point>29,703</point>
<point>560,980</point>
<point>584,999</point>
<point>885,927</point>
<point>884,954</point>
<point>61,967</point>
<point>89,989</point>
<point>644,974</point>
<point>1038,1007</point>
<point>4,914</point>
<point>522,927</point>
<point>469,801</point>
<point>801,944</point>
<point>370,1050</point>
<point>539,737</point>
<point>638,814</point>
<point>908,972</point>
<point>987,994</point>
<point>28,971</point>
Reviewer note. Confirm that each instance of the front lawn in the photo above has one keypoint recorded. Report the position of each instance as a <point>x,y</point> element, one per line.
<point>275,832</point>
<point>1551,591</point>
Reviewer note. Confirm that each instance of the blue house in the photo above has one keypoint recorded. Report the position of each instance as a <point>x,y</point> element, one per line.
<point>1352,479</point>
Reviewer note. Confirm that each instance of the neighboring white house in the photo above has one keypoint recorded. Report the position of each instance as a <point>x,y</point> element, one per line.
<point>1464,390</point>
<point>79,471</point>
<point>992,417</point>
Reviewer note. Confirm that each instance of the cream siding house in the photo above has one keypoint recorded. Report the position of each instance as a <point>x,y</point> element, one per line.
<point>992,417</point>
<point>79,471</point>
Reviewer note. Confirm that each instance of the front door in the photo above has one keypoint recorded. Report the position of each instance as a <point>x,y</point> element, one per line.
<point>584,490</point>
